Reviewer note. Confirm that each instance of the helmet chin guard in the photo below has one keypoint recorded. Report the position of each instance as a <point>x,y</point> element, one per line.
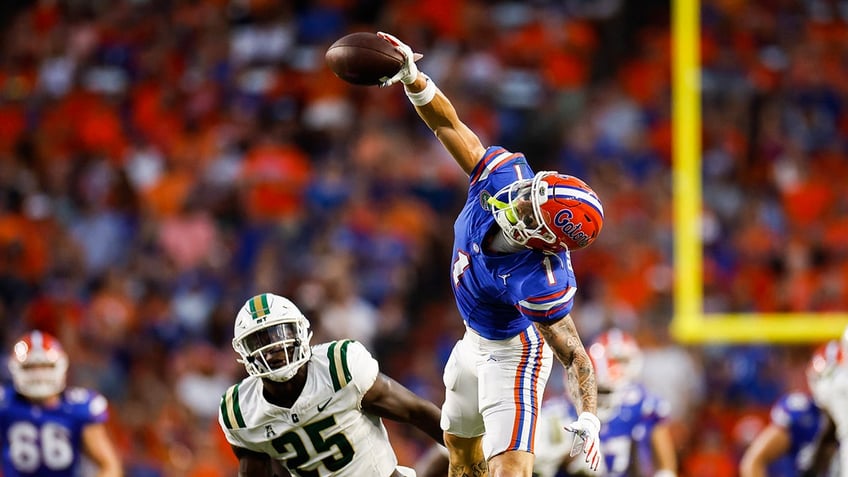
<point>272,337</point>
<point>39,365</point>
<point>550,212</point>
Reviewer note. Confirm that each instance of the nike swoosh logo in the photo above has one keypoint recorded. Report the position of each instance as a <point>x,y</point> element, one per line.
<point>322,406</point>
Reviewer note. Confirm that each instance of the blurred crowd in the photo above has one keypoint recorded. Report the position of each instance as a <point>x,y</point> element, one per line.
<point>161,161</point>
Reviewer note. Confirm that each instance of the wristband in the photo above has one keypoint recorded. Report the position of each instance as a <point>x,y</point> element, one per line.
<point>424,96</point>
<point>665,473</point>
<point>589,417</point>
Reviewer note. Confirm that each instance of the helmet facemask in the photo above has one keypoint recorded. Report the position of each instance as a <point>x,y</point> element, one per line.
<point>38,371</point>
<point>275,345</point>
<point>517,210</point>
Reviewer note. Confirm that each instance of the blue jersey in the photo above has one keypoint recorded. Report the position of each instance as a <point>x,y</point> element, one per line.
<point>42,441</point>
<point>498,295</point>
<point>625,434</point>
<point>803,421</point>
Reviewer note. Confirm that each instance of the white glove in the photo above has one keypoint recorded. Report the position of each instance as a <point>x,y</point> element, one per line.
<point>586,429</point>
<point>408,71</point>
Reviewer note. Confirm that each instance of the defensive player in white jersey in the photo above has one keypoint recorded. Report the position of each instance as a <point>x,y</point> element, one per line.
<point>314,410</point>
<point>514,288</point>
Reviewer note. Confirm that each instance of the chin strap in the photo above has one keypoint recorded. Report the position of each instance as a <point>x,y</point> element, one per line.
<point>508,210</point>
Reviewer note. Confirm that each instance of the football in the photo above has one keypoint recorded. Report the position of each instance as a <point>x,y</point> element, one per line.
<point>362,58</point>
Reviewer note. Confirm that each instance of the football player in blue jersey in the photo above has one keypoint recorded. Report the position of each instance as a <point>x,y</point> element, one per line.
<point>799,440</point>
<point>514,287</point>
<point>46,429</point>
<point>634,437</point>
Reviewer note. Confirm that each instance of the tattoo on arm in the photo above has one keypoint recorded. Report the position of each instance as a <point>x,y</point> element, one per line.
<point>565,342</point>
<point>477,469</point>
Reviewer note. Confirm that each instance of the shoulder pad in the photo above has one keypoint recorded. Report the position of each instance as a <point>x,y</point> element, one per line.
<point>797,401</point>
<point>230,411</point>
<point>339,368</point>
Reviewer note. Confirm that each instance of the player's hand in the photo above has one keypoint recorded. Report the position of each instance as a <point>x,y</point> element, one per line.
<point>408,71</point>
<point>586,429</point>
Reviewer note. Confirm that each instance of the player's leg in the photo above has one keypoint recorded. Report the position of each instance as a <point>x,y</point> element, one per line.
<point>465,456</point>
<point>461,418</point>
<point>512,382</point>
<point>512,464</point>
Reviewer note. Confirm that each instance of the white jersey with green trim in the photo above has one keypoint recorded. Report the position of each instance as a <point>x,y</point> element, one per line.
<point>325,432</point>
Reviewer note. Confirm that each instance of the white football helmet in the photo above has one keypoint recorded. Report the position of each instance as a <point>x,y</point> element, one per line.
<point>272,337</point>
<point>824,361</point>
<point>39,365</point>
<point>844,341</point>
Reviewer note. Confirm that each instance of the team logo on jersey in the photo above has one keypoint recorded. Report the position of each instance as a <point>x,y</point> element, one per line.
<point>269,431</point>
<point>484,200</point>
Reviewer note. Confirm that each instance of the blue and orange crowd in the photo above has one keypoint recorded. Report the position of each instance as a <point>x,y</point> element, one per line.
<point>163,160</point>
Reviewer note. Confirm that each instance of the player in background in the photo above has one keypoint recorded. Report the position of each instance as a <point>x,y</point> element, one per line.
<point>46,429</point>
<point>313,410</point>
<point>635,436</point>
<point>514,287</point>
<point>799,440</point>
<point>830,392</point>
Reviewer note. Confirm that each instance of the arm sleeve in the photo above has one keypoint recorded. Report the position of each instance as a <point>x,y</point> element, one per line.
<point>91,406</point>
<point>655,410</point>
<point>98,408</point>
<point>783,411</point>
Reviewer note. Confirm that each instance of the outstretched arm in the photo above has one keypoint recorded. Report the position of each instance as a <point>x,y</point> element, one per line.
<point>441,117</point>
<point>436,110</point>
<point>389,399</point>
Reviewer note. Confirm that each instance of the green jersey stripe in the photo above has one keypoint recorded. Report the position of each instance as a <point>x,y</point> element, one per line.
<point>237,407</point>
<point>225,410</point>
<point>331,355</point>
<point>339,370</point>
<point>231,409</point>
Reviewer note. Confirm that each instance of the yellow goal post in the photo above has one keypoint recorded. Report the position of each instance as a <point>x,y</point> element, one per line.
<point>690,324</point>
